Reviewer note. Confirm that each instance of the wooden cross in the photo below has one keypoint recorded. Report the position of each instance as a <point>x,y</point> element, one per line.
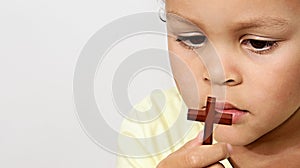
<point>209,116</point>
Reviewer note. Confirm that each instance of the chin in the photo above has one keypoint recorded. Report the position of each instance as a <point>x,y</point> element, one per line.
<point>233,137</point>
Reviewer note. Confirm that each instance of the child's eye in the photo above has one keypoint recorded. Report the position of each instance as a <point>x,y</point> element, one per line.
<point>192,40</point>
<point>259,46</point>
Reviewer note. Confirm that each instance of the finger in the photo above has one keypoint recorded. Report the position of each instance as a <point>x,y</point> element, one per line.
<point>206,155</point>
<point>216,165</point>
<point>199,156</point>
<point>172,159</point>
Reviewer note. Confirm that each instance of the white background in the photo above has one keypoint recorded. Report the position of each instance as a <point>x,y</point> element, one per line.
<point>40,42</point>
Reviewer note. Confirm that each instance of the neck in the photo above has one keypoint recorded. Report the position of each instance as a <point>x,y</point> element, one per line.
<point>282,143</point>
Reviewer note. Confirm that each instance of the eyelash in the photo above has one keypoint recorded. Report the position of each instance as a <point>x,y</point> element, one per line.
<point>184,40</point>
<point>270,44</point>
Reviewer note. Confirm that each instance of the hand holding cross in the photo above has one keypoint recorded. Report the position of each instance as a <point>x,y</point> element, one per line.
<point>209,116</point>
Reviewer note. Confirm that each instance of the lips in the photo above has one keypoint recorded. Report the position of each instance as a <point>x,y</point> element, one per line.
<point>227,108</point>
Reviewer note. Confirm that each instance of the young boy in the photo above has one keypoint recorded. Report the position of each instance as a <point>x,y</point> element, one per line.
<point>258,47</point>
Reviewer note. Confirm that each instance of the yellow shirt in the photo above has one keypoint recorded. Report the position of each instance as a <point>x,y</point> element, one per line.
<point>165,131</point>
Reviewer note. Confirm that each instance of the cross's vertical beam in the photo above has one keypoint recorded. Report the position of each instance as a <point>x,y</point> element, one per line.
<point>209,122</point>
<point>209,116</point>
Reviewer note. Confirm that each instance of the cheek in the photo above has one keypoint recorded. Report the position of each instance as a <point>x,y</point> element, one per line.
<point>279,88</point>
<point>271,93</point>
<point>273,97</point>
<point>187,69</point>
<point>285,76</point>
<point>283,91</point>
<point>274,83</point>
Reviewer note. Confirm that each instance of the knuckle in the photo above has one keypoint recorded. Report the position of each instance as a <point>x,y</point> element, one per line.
<point>191,159</point>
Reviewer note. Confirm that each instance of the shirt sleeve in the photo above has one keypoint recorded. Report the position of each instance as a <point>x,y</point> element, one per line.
<point>155,140</point>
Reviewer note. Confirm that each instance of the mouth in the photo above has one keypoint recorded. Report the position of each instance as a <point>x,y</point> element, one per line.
<point>228,108</point>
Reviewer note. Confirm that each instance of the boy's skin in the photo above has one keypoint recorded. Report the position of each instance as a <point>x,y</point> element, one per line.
<point>265,83</point>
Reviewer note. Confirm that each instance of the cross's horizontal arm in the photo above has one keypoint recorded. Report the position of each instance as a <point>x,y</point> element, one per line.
<point>200,115</point>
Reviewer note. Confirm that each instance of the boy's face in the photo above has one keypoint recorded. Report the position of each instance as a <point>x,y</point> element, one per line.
<point>258,45</point>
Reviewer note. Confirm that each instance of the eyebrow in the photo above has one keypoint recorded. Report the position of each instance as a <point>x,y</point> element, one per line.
<point>261,22</point>
<point>180,18</point>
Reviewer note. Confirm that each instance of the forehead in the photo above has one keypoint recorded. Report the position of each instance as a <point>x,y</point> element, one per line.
<point>219,11</point>
<point>293,5</point>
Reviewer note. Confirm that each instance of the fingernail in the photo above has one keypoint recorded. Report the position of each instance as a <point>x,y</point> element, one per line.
<point>229,147</point>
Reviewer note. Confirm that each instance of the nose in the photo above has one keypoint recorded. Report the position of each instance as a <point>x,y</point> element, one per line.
<point>222,64</point>
<point>232,77</point>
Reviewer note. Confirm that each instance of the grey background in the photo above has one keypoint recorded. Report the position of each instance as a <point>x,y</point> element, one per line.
<point>40,42</point>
